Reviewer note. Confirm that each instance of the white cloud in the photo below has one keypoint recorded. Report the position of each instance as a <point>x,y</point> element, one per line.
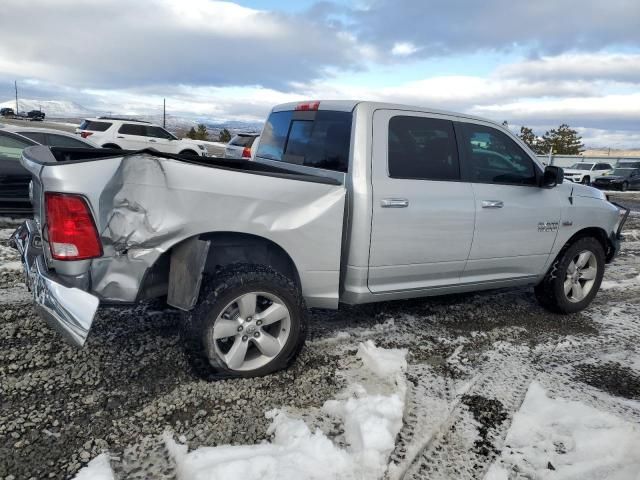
<point>593,66</point>
<point>403,49</point>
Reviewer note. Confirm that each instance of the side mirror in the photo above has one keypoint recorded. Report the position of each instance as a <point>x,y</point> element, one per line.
<point>552,176</point>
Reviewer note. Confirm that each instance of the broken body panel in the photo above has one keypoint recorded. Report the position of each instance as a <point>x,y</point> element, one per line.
<point>146,205</point>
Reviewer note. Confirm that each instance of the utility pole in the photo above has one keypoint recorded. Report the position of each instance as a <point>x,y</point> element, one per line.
<point>15,84</point>
<point>164,113</point>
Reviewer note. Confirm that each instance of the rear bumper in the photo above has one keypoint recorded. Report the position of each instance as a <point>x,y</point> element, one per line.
<point>69,311</point>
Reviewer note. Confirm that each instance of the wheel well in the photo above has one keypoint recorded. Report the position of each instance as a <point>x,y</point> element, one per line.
<point>229,248</point>
<point>111,145</point>
<point>188,152</point>
<point>226,248</point>
<point>597,233</point>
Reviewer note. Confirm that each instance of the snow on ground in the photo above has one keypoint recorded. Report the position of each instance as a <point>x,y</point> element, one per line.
<point>623,283</point>
<point>370,412</point>
<point>556,438</point>
<point>97,469</point>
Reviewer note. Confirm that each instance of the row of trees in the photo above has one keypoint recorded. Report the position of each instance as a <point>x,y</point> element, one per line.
<point>200,133</point>
<point>563,140</point>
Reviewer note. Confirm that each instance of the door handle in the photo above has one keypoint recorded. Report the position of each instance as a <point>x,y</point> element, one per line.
<point>394,203</point>
<point>152,141</point>
<point>119,136</point>
<point>492,204</point>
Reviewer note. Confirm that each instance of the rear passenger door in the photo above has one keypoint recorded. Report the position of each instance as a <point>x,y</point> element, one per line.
<point>423,214</point>
<point>516,220</point>
<point>132,136</point>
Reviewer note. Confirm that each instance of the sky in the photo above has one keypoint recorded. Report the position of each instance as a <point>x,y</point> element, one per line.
<point>535,63</point>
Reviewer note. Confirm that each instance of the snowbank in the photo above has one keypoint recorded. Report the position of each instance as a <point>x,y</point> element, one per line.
<point>97,469</point>
<point>370,412</point>
<point>557,438</point>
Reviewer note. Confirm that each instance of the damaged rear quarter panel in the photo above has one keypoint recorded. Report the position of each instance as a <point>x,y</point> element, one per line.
<point>145,204</point>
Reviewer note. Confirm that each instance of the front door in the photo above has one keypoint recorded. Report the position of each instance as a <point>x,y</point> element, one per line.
<point>423,214</point>
<point>516,220</point>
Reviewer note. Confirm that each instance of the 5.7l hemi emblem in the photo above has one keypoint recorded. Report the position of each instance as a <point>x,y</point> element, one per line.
<point>547,226</point>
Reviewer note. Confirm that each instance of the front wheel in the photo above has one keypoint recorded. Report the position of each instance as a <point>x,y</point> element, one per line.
<point>574,278</point>
<point>624,186</point>
<point>250,319</point>
<point>586,181</point>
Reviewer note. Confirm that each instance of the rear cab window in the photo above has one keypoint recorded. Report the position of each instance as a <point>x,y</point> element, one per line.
<point>94,126</point>
<point>313,138</point>
<point>242,140</point>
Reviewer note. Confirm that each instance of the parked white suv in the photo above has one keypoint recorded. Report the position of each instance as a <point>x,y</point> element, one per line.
<point>241,146</point>
<point>584,172</point>
<point>128,134</point>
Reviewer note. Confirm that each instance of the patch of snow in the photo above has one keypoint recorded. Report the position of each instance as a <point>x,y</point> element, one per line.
<point>370,412</point>
<point>557,438</point>
<point>11,266</point>
<point>97,469</point>
<point>609,284</point>
<point>382,362</point>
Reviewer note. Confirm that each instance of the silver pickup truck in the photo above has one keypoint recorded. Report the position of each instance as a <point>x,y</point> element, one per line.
<point>346,202</point>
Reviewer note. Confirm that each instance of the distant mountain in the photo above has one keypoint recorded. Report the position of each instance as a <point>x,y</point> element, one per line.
<point>75,112</point>
<point>52,108</point>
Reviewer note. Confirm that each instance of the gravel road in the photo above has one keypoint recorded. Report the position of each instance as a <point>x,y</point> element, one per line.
<point>471,358</point>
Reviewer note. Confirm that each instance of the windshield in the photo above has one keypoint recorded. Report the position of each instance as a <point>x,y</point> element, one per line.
<point>582,166</point>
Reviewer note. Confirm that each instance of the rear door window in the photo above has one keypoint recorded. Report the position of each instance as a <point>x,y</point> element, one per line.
<point>62,141</point>
<point>11,147</point>
<point>242,140</point>
<point>94,126</point>
<point>133,129</point>
<point>36,137</point>
<point>422,148</point>
<point>319,139</point>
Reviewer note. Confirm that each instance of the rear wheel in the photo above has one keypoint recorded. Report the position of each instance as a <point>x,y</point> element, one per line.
<point>250,321</point>
<point>574,278</point>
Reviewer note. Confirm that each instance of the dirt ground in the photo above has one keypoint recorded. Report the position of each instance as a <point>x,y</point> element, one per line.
<point>471,359</point>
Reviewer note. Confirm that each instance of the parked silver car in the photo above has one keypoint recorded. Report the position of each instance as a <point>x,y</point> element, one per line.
<point>347,202</point>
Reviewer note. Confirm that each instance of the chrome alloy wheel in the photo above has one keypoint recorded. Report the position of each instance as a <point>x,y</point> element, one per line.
<point>581,275</point>
<point>251,330</point>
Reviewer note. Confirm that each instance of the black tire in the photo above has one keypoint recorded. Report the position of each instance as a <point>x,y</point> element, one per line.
<point>111,146</point>
<point>550,292</point>
<point>189,153</point>
<point>624,187</point>
<point>586,180</point>
<point>225,286</point>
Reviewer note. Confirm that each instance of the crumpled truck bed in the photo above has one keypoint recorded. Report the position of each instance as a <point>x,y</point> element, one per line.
<point>144,204</point>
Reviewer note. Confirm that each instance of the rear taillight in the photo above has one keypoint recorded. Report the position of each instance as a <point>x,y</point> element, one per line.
<point>72,231</point>
<point>246,152</point>
<point>86,134</point>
